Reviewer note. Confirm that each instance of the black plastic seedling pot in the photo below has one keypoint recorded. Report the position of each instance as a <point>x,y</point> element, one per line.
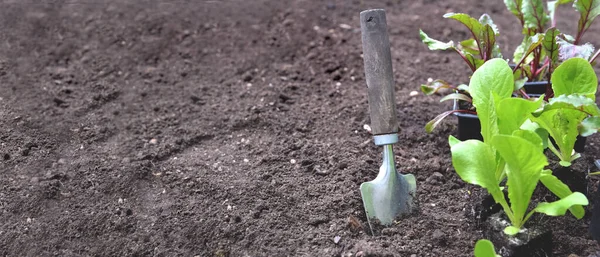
<point>468,124</point>
<point>470,128</point>
<point>535,240</point>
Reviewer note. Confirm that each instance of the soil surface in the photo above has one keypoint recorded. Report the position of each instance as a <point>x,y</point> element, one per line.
<point>228,128</point>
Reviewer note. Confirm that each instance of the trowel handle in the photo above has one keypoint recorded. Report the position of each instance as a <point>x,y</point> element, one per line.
<point>378,72</point>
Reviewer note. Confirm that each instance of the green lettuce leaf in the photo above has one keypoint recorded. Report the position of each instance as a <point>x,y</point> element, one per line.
<point>512,113</point>
<point>524,164</point>
<point>485,248</point>
<point>494,77</point>
<point>561,190</point>
<point>558,208</point>
<point>575,76</point>
<point>589,126</point>
<point>475,163</point>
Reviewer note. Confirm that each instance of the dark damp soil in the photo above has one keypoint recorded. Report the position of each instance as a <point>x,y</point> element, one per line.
<point>227,128</point>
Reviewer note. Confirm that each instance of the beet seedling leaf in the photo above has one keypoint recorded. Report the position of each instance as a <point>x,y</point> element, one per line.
<point>485,19</point>
<point>534,16</point>
<point>430,126</point>
<point>514,6</point>
<point>433,44</point>
<point>569,50</point>
<point>588,11</point>
<point>523,52</point>
<point>551,48</point>
<point>456,96</point>
<point>471,23</point>
<point>433,86</point>
<point>552,5</point>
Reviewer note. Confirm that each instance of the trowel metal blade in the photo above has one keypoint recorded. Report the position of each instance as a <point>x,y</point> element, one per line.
<point>389,196</point>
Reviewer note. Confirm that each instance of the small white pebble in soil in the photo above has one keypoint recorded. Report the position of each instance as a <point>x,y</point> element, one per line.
<point>120,200</point>
<point>345,26</point>
<point>28,220</point>
<point>246,160</point>
<point>249,85</point>
<point>336,239</point>
<point>229,208</point>
<point>153,141</point>
<point>293,161</point>
<point>414,93</point>
<point>367,128</point>
<point>338,84</point>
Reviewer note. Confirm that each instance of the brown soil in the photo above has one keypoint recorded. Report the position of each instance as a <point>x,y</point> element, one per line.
<point>226,128</point>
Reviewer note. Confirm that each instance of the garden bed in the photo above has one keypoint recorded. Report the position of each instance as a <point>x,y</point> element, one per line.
<point>226,129</point>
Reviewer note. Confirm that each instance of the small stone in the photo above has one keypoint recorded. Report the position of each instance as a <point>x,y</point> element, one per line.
<point>414,93</point>
<point>367,128</point>
<point>293,161</point>
<point>153,141</point>
<point>246,160</point>
<point>319,171</point>
<point>336,239</point>
<point>438,237</point>
<point>345,26</point>
<point>435,178</point>
<point>360,254</point>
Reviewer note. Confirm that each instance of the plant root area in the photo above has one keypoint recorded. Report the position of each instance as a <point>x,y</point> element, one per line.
<point>230,128</point>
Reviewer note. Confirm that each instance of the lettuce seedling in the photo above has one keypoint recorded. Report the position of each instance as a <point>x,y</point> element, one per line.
<point>573,110</point>
<point>509,153</point>
<point>485,248</point>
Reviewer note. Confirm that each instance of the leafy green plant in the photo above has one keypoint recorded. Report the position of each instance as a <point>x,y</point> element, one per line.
<point>573,110</point>
<point>544,41</point>
<point>485,248</point>
<point>543,47</point>
<point>508,152</point>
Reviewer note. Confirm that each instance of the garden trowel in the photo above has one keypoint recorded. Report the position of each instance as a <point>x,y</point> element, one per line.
<point>390,194</point>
